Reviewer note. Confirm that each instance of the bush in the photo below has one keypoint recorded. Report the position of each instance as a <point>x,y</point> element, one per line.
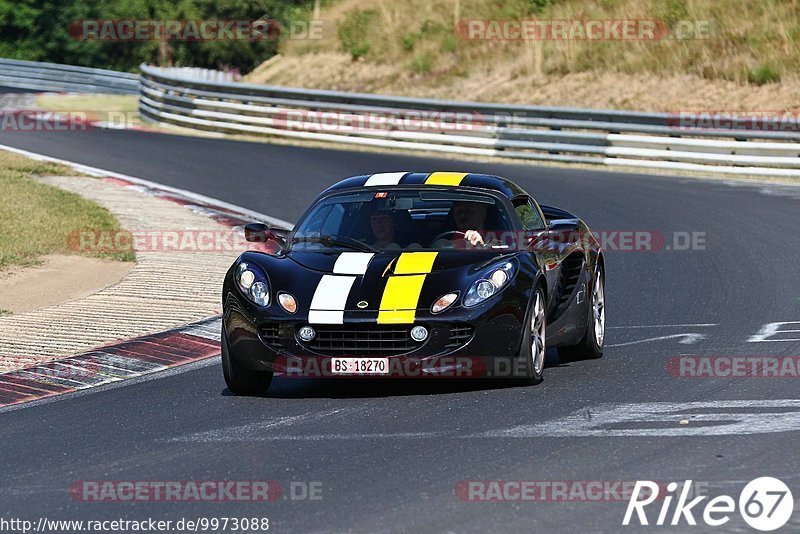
<point>422,63</point>
<point>409,40</point>
<point>449,43</point>
<point>763,75</point>
<point>352,32</point>
<point>672,12</point>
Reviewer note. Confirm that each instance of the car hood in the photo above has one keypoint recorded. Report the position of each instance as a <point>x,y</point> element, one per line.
<point>386,263</point>
<point>340,286</point>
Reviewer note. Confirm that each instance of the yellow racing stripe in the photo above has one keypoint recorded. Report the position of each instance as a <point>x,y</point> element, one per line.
<point>445,178</point>
<point>415,263</point>
<point>401,295</point>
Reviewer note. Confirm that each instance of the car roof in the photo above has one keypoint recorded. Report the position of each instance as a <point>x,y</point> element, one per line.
<point>501,185</point>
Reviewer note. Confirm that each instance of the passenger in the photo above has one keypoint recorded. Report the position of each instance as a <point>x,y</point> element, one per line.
<point>384,228</point>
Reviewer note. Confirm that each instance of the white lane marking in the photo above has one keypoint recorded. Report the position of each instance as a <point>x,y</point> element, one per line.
<point>384,178</point>
<point>95,171</point>
<point>712,418</point>
<point>664,326</point>
<point>352,263</point>
<point>685,339</point>
<point>219,437</point>
<point>260,430</point>
<point>771,329</point>
<point>330,298</point>
<point>376,435</point>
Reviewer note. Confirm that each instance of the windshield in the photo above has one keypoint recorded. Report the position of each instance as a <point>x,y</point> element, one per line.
<point>405,220</point>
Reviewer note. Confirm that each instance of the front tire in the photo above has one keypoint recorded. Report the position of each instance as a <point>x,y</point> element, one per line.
<point>591,346</point>
<point>533,349</point>
<point>239,379</point>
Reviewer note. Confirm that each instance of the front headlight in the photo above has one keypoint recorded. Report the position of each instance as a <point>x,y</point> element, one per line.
<point>253,283</point>
<point>492,281</point>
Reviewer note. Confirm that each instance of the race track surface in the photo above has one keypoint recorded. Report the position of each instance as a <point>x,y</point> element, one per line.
<point>389,455</point>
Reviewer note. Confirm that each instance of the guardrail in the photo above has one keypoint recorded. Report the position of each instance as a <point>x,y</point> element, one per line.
<point>65,78</point>
<point>203,99</point>
<point>607,137</point>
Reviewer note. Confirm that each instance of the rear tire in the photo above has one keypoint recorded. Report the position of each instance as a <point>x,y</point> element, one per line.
<point>591,346</point>
<point>533,349</point>
<point>239,379</point>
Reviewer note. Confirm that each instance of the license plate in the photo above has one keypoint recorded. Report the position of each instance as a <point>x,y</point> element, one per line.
<point>360,366</point>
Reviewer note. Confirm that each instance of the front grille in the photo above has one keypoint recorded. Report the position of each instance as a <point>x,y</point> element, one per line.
<point>270,334</point>
<point>363,340</point>
<point>459,335</point>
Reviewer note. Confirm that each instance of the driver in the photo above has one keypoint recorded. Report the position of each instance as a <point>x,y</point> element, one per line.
<point>470,219</point>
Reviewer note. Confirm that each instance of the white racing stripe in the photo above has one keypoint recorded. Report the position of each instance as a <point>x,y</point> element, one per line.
<point>330,297</point>
<point>384,178</point>
<point>327,305</point>
<point>352,263</point>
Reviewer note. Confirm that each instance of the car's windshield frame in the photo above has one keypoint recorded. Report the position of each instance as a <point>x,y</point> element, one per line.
<point>502,203</point>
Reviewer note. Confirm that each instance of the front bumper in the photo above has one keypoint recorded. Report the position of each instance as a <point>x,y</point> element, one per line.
<point>461,341</point>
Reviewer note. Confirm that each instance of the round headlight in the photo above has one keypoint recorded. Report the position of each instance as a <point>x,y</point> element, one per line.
<point>259,293</point>
<point>485,289</point>
<point>499,277</point>
<point>287,302</point>
<point>246,279</point>
<point>492,282</point>
<point>306,333</point>
<point>444,302</point>
<point>419,333</point>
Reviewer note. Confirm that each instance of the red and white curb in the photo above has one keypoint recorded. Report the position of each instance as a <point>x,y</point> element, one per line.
<point>139,356</point>
<point>113,363</point>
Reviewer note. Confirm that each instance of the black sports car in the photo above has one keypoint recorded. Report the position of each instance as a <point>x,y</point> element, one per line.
<point>414,274</point>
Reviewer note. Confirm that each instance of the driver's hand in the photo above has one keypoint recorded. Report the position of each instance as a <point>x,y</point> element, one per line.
<point>473,237</point>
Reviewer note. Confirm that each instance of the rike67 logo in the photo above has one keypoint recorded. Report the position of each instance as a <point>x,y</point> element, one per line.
<point>765,504</point>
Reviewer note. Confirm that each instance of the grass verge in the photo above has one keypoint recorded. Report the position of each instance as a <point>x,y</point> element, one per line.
<point>119,110</point>
<point>37,219</point>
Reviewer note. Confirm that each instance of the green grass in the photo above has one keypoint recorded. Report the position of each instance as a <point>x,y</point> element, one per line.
<point>351,32</point>
<point>112,108</point>
<point>4,312</point>
<point>748,42</point>
<point>763,74</point>
<point>422,63</point>
<point>37,219</point>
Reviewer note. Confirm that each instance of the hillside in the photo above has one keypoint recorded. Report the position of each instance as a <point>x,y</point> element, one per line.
<point>707,54</point>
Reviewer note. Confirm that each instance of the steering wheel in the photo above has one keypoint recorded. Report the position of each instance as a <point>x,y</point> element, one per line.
<point>445,234</point>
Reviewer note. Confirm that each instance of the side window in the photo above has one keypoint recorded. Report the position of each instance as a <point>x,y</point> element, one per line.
<point>333,222</point>
<point>531,220</point>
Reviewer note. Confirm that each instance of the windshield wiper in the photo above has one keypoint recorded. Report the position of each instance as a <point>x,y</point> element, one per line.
<point>339,241</point>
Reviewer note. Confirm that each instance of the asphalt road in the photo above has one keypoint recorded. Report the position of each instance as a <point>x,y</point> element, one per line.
<point>389,455</point>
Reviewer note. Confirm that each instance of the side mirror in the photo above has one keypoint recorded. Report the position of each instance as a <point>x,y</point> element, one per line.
<point>537,238</point>
<point>258,233</point>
